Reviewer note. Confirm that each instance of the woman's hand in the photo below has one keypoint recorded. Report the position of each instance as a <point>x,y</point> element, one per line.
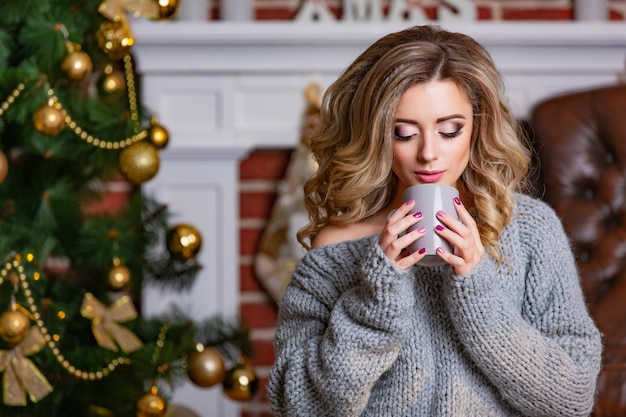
<point>394,242</point>
<point>464,236</point>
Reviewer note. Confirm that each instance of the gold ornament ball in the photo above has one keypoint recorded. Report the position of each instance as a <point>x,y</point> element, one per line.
<point>139,162</point>
<point>76,65</point>
<point>14,326</point>
<point>119,277</point>
<point>206,368</point>
<point>150,405</point>
<point>4,166</point>
<point>111,83</point>
<point>240,383</point>
<point>49,120</point>
<point>159,136</point>
<point>167,9</point>
<point>114,39</point>
<point>183,241</point>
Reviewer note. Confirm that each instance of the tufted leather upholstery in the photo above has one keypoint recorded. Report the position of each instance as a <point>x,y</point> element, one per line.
<point>580,140</point>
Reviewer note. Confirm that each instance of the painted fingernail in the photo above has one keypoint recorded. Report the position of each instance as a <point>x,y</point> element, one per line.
<point>417,215</point>
<point>441,213</point>
<point>409,202</point>
<point>440,250</point>
<point>421,251</point>
<point>422,230</point>
<point>440,227</point>
<point>457,201</point>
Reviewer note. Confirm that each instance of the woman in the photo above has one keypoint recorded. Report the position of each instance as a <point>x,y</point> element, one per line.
<point>502,328</point>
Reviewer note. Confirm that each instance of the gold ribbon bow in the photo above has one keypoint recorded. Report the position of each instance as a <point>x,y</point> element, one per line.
<point>104,323</point>
<point>115,10</point>
<point>20,373</point>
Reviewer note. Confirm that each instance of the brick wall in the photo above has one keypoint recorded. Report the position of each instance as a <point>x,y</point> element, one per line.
<point>487,9</point>
<point>261,171</point>
<point>259,174</point>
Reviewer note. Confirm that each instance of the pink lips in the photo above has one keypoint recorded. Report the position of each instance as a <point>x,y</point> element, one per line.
<point>429,176</point>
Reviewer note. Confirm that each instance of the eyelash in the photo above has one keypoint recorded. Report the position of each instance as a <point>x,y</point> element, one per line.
<point>444,134</point>
<point>453,134</point>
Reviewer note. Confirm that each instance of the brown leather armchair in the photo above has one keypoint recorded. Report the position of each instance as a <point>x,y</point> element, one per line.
<point>580,140</point>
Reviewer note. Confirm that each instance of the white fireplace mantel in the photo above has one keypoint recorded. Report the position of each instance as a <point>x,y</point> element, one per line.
<point>225,88</point>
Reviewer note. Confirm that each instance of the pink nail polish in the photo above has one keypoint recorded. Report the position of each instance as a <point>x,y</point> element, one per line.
<point>441,213</point>
<point>421,251</point>
<point>457,201</point>
<point>440,250</point>
<point>422,230</point>
<point>409,202</point>
<point>417,215</point>
<point>439,227</point>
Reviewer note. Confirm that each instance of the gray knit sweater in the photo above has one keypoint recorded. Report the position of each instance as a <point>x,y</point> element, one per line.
<point>359,337</point>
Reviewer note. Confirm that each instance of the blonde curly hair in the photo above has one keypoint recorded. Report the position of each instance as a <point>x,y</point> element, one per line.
<point>354,146</point>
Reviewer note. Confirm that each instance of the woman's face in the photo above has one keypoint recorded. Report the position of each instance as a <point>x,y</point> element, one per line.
<point>433,129</point>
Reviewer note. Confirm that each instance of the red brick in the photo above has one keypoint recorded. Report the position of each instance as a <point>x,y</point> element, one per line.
<point>256,204</point>
<point>249,240</point>
<point>248,280</point>
<point>484,13</point>
<point>275,14</point>
<point>259,315</point>
<point>537,14</point>
<point>111,201</point>
<point>263,353</point>
<point>265,164</point>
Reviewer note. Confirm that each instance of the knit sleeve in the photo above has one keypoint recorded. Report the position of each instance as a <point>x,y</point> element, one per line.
<point>341,324</point>
<point>529,330</point>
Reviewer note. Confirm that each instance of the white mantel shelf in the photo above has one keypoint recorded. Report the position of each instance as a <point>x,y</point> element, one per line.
<point>223,89</point>
<point>263,67</point>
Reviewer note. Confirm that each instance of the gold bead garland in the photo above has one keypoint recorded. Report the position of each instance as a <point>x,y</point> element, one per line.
<point>79,131</point>
<point>132,92</point>
<point>159,346</point>
<point>11,98</point>
<point>78,373</point>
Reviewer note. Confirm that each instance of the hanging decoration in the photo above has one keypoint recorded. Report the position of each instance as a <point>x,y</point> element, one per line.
<point>119,275</point>
<point>151,404</point>
<point>240,382</point>
<point>183,241</point>
<point>15,272</point>
<point>205,367</point>
<point>49,119</point>
<point>115,10</point>
<point>278,251</point>
<point>77,64</point>
<point>158,135</point>
<point>21,376</point>
<point>111,83</point>
<point>104,323</point>
<point>14,325</point>
<point>114,39</point>
<point>139,162</point>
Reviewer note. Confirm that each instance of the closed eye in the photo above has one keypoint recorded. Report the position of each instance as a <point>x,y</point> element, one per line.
<point>450,129</point>
<point>405,132</point>
<point>402,138</point>
<point>451,134</point>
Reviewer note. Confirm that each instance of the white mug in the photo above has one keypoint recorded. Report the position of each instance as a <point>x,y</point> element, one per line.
<point>429,199</point>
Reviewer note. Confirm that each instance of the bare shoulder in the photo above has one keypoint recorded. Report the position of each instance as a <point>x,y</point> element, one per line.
<point>332,234</point>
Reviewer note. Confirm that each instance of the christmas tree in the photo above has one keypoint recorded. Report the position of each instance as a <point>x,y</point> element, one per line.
<point>73,341</point>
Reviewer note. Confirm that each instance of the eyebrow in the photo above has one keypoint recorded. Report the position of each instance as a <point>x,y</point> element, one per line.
<point>441,119</point>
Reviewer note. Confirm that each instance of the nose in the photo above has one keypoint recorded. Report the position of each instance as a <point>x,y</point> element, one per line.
<point>428,149</point>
